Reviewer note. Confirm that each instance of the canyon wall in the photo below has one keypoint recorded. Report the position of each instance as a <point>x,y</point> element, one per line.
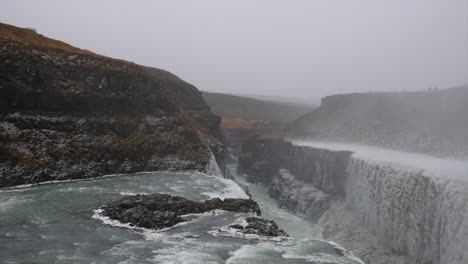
<point>244,117</point>
<point>433,122</point>
<point>67,113</point>
<point>382,212</point>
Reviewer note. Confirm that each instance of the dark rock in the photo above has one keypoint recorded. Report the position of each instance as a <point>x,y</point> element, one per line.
<point>262,159</point>
<point>159,211</point>
<point>241,206</point>
<point>237,226</point>
<point>67,113</point>
<point>263,227</point>
<point>260,226</point>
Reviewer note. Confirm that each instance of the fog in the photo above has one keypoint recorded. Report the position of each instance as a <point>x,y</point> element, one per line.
<point>298,49</point>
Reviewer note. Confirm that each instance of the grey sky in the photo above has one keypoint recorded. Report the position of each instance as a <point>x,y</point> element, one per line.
<point>303,49</point>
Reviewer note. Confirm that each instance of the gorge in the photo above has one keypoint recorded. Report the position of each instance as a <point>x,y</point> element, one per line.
<point>106,161</point>
<point>79,130</point>
<point>385,205</point>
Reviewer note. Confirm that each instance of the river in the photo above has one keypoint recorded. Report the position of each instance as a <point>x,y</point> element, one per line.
<point>59,223</point>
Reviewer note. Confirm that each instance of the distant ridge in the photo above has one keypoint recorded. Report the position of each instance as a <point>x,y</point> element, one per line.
<point>433,122</point>
<point>240,107</point>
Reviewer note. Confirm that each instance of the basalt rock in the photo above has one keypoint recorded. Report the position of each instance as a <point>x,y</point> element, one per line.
<point>67,113</point>
<point>260,226</point>
<point>157,211</point>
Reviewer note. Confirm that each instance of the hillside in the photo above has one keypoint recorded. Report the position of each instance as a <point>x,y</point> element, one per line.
<point>244,117</point>
<point>67,113</point>
<point>433,122</point>
<point>232,107</point>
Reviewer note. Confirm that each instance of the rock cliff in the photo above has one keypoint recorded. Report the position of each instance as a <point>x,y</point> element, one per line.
<point>382,211</point>
<point>244,117</point>
<point>433,122</point>
<point>67,113</point>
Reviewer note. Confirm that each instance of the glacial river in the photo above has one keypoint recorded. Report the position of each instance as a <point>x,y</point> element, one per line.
<point>59,223</point>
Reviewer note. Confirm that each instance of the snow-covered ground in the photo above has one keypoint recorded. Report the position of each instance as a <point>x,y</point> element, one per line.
<point>428,165</point>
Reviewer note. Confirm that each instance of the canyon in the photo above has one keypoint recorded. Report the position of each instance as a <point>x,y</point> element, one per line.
<point>371,194</point>
<point>382,174</point>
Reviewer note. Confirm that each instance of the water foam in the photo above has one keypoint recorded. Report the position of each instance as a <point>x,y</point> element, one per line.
<point>212,167</point>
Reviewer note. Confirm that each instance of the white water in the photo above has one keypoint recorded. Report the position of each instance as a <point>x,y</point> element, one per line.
<point>212,167</point>
<point>58,223</point>
<point>413,203</point>
<point>295,226</point>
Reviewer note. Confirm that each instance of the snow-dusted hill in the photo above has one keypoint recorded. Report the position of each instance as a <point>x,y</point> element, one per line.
<point>431,122</point>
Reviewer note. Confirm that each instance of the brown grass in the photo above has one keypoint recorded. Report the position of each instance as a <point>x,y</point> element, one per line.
<point>30,161</point>
<point>237,123</point>
<point>30,37</point>
<point>269,136</point>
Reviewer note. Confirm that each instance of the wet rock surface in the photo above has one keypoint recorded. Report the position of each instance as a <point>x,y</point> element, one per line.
<point>157,211</point>
<point>383,212</point>
<point>262,159</point>
<point>68,114</point>
<point>299,197</point>
<point>260,226</point>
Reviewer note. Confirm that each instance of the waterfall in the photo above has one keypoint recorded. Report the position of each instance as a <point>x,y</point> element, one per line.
<point>212,167</point>
<point>380,203</point>
<point>424,217</point>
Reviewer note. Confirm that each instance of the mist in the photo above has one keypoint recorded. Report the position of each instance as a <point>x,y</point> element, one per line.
<point>284,132</point>
<point>296,49</point>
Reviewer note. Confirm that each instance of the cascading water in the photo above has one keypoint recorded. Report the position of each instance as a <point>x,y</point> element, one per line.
<point>392,201</point>
<point>59,223</point>
<point>212,167</point>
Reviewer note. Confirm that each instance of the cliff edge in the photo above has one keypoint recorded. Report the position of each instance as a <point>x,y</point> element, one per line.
<point>68,113</point>
<point>432,122</point>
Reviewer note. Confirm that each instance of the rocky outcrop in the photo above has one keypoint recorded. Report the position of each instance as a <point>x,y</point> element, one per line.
<point>432,122</point>
<point>300,197</point>
<point>260,226</point>
<point>67,113</point>
<point>382,212</point>
<point>261,159</point>
<point>158,211</point>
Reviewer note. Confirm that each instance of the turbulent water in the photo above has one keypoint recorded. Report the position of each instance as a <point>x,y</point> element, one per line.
<point>59,223</point>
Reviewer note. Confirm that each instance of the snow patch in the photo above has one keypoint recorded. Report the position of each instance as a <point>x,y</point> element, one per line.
<point>428,165</point>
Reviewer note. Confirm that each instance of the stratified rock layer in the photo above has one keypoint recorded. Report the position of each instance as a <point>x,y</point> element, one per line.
<point>67,113</point>
<point>432,122</point>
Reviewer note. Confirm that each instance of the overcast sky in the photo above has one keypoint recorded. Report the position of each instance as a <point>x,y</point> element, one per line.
<point>302,49</point>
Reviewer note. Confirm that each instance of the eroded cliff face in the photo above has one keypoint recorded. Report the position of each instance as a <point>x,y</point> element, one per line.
<point>384,213</point>
<point>67,113</point>
<point>432,122</point>
<point>410,212</point>
<point>261,159</point>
